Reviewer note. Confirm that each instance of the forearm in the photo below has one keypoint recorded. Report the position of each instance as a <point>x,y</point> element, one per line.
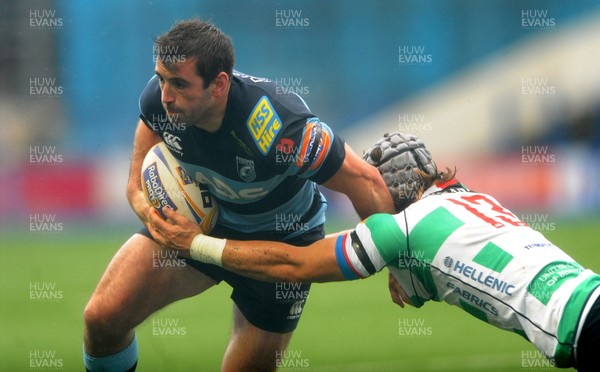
<point>374,198</point>
<point>267,261</point>
<point>270,261</point>
<point>261,260</point>
<point>363,185</point>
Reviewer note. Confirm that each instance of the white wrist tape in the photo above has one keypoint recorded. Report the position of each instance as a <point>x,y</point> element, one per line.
<point>207,249</point>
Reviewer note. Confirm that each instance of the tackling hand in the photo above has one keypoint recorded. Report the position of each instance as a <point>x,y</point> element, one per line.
<point>398,294</point>
<point>176,231</point>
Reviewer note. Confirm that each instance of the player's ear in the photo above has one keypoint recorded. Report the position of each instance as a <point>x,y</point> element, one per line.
<point>220,85</point>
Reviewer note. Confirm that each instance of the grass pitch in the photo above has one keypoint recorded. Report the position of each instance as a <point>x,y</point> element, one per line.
<point>47,278</point>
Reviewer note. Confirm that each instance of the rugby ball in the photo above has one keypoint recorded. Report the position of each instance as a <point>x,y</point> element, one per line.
<point>166,183</point>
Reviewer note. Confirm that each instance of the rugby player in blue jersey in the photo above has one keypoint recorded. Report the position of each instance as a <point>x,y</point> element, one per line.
<point>446,243</point>
<point>261,152</point>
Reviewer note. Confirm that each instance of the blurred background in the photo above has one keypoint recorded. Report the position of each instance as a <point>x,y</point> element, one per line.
<point>506,91</point>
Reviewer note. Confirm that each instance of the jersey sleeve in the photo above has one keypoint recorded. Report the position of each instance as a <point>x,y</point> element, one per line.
<point>318,153</point>
<point>373,244</point>
<point>378,242</point>
<point>151,109</point>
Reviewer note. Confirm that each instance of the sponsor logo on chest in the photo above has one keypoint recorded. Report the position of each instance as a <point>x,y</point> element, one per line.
<point>264,124</point>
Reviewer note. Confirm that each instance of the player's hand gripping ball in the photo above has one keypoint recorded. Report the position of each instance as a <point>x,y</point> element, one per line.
<point>166,183</point>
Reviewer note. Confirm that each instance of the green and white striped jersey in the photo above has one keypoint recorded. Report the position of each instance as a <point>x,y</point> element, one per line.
<point>464,248</point>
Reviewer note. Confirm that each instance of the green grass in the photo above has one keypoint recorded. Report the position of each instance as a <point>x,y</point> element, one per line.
<point>351,326</point>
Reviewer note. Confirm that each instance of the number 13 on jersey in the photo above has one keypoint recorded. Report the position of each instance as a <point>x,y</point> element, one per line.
<point>488,210</point>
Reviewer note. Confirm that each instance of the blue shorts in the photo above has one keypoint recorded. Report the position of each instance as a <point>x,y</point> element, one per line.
<point>273,307</point>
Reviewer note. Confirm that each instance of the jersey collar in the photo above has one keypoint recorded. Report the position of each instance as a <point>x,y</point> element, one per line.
<point>440,187</point>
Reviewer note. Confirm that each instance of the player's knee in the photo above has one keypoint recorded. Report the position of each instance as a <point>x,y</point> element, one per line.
<point>98,319</point>
<point>92,317</point>
<point>252,349</point>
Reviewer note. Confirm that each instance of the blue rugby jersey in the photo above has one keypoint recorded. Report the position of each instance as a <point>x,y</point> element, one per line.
<point>264,162</point>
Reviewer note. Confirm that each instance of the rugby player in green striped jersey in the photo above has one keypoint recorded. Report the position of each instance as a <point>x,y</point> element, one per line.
<point>446,243</point>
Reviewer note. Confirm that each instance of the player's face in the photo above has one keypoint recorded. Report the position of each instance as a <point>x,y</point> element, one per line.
<point>183,95</point>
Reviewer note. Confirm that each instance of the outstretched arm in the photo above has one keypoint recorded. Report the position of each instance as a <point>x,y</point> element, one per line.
<point>275,261</point>
<point>262,260</point>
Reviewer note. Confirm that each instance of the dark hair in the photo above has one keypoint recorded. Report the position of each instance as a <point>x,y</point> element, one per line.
<point>200,40</point>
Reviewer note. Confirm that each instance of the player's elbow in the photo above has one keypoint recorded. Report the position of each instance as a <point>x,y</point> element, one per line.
<point>371,195</point>
<point>372,177</point>
<point>132,189</point>
<point>381,198</point>
<point>371,183</point>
